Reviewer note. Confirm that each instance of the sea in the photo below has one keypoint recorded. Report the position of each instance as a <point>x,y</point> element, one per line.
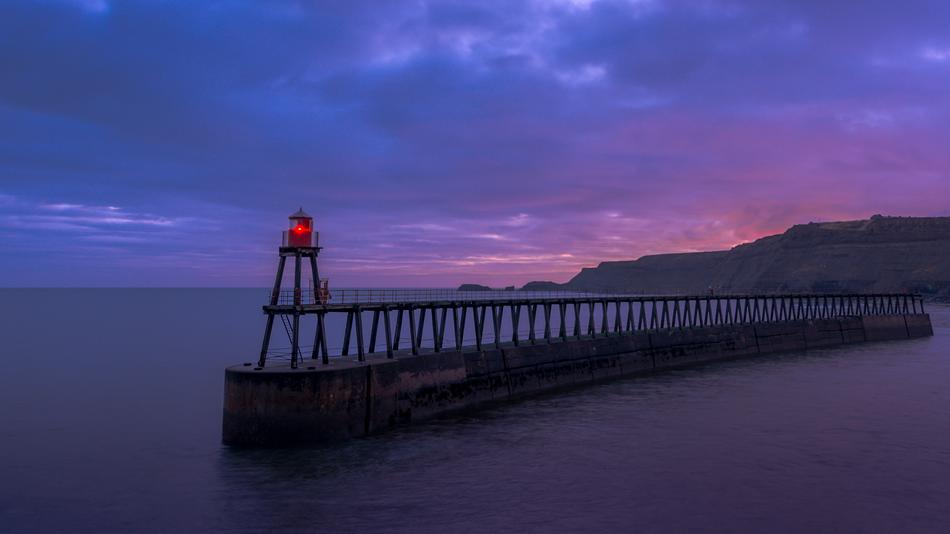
<point>110,421</point>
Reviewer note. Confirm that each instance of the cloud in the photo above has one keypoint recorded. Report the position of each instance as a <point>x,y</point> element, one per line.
<point>939,55</point>
<point>439,142</point>
<point>90,6</point>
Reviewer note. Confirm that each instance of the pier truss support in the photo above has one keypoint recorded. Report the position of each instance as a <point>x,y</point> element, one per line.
<point>339,329</point>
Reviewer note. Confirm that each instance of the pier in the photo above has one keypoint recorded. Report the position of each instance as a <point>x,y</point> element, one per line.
<point>406,361</point>
<point>388,320</point>
<point>358,362</point>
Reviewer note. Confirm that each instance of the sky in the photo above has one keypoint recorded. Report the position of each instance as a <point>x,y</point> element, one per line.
<point>164,143</point>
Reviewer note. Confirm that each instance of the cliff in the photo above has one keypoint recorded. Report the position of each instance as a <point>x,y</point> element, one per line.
<point>881,254</point>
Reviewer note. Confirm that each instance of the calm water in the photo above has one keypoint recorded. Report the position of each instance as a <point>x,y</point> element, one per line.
<point>110,413</point>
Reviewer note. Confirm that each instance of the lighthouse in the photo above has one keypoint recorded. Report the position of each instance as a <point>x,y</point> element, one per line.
<point>300,234</point>
<point>299,241</point>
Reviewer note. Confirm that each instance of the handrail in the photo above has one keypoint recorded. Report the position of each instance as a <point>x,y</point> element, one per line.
<point>310,296</point>
<point>385,296</point>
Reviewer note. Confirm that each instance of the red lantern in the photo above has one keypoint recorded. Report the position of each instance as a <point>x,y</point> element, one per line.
<point>300,234</point>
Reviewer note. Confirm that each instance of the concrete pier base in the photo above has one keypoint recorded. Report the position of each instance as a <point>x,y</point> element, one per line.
<point>279,406</point>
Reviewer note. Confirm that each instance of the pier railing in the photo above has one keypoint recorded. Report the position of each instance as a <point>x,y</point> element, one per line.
<point>458,319</point>
<point>381,296</point>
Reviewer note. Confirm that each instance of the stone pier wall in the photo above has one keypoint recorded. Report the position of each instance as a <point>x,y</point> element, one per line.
<point>279,406</point>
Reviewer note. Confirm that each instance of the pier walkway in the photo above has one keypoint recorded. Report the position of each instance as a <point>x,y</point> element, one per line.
<point>361,322</point>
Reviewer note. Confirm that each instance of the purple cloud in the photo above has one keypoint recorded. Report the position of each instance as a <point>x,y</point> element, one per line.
<point>442,142</point>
